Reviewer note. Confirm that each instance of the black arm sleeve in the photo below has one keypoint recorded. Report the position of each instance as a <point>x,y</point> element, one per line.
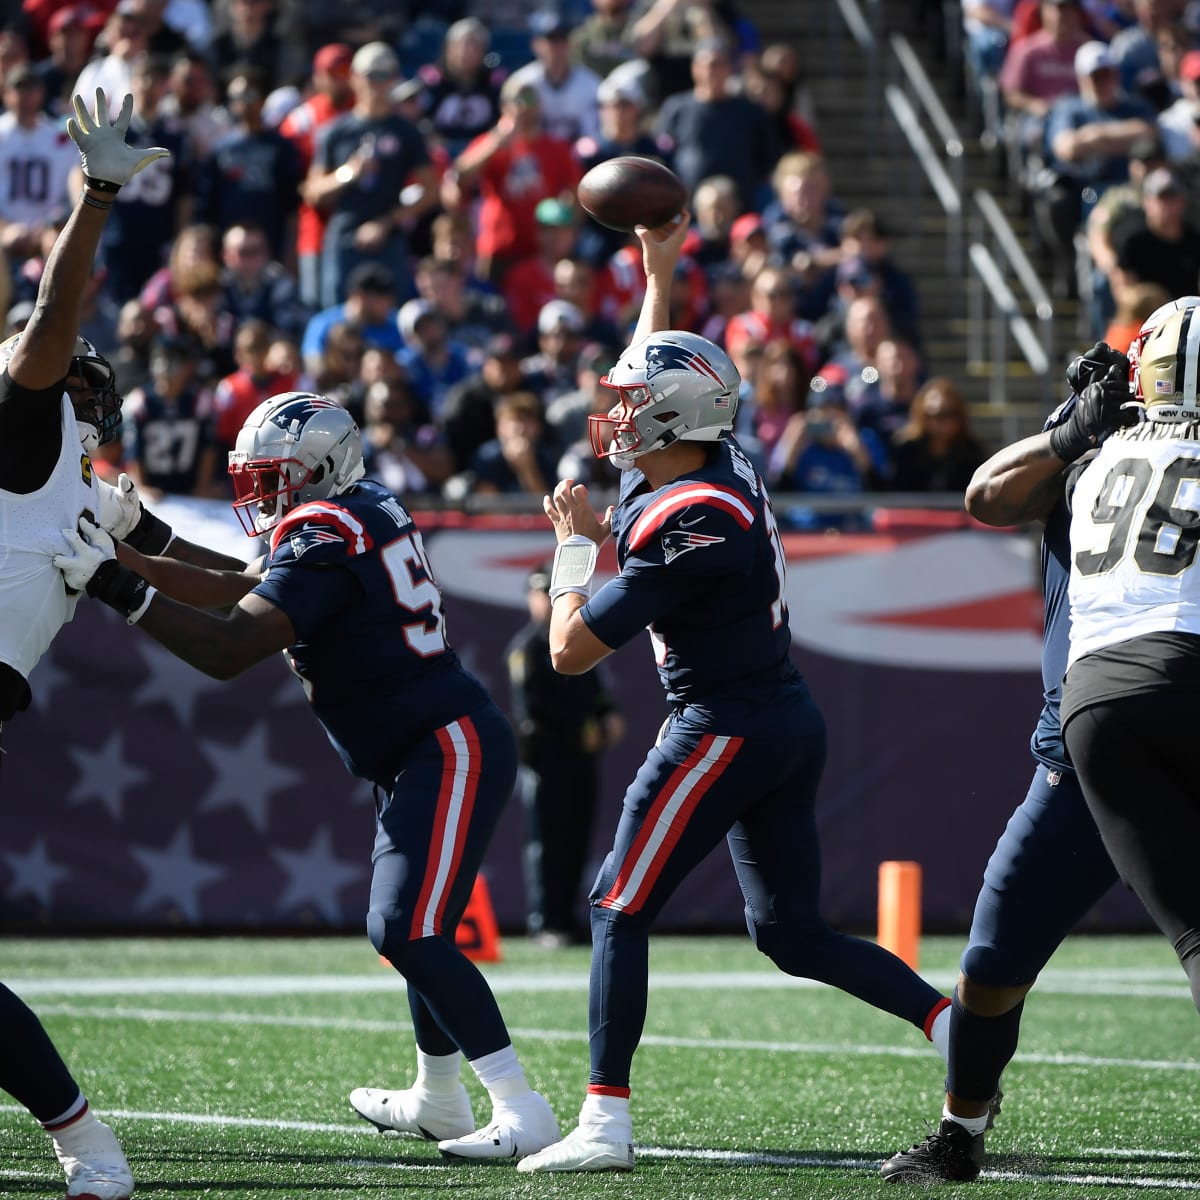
<point>30,434</point>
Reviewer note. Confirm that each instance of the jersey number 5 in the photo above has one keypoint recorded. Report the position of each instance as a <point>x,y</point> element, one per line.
<point>405,560</point>
<point>1165,543</point>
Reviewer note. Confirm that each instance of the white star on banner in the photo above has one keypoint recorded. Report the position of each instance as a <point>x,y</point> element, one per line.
<point>34,873</point>
<point>173,682</point>
<point>44,681</point>
<point>104,775</point>
<point>175,875</point>
<point>246,777</point>
<point>316,875</point>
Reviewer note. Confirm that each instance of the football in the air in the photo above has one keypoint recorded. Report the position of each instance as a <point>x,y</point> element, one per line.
<point>630,190</point>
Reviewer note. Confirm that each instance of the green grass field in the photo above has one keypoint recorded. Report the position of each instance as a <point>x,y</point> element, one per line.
<point>224,1065</point>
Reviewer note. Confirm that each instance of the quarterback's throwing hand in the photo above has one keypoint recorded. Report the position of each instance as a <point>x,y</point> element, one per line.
<point>89,548</point>
<point>105,157</point>
<point>570,512</point>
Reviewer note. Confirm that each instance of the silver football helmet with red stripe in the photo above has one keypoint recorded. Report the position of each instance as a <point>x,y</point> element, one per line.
<point>672,386</point>
<point>293,448</point>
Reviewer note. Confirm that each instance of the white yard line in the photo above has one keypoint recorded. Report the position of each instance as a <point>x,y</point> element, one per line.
<point>361,1025</point>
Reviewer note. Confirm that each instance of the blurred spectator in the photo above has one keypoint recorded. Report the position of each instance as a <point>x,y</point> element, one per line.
<point>124,37</point>
<point>986,28</point>
<point>135,331</point>
<point>362,21</point>
<point>804,228</point>
<point>771,92</point>
<point>579,283</point>
<point>821,450</point>
<point>1135,49</point>
<point>161,39</point>
<point>71,32</point>
<point>603,41</point>
<point>197,311</point>
<point>1161,88</point>
<point>779,394</point>
<point>748,246</point>
<point>335,372</point>
<point>99,314</point>
<point>567,415</point>
<point>567,90</point>
<point>729,295</point>
<point>715,207</point>
<point>369,308</point>
<point>36,161</point>
<point>901,374</point>
<point>1177,124</point>
<point>453,240</point>
<point>238,395</point>
<point>474,317</point>
<point>936,451</point>
<point>17,317</point>
<point>363,166</point>
<point>401,449</point>
<point>853,279</point>
<point>516,165</point>
<point>712,131</point>
<point>529,283</point>
<point>468,417</point>
<point>666,34</point>
<point>867,328</point>
<point>195,245</point>
<point>1133,305</point>
<point>520,458</point>
<point>772,318</point>
<point>1038,70</point>
<point>192,18</point>
<point>168,426</point>
<point>622,104</point>
<point>331,96</point>
<point>256,287</point>
<point>252,37</point>
<point>1089,137</point>
<point>191,100</point>
<point>150,210</point>
<point>1160,245</point>
<point>462,91</point>
<point>431,358</point>
<point>285,360</point>
<point>254,173</point>
<point>864,236</point>
<point>560,339</point>
<point>14,50</point>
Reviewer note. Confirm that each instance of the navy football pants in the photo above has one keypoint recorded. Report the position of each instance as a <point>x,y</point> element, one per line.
<point>746,772</point>
<point>431,837</point>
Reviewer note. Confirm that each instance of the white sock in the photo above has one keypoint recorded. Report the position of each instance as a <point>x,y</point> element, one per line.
<point>939,1034</point>
<point>67,1136</point>
<point>972,1125</point>
<point>72,1113</point>
<point>606,1118</point>
<point>500,1072</point>
<point>438,1072</point>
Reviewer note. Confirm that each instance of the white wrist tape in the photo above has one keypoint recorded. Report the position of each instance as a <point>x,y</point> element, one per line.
<point>574,565</point>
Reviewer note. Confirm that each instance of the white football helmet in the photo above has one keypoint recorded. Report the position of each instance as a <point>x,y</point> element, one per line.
<point>1149,325</point>
<point>95,399</point>
<point>672,386</point>
<point>293,448</point>
<point>1169,368</point>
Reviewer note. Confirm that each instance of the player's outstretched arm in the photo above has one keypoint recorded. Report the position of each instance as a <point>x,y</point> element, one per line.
<point>1022,482</point>
<point>660,254</point>
<point>199,585</point>
<point>43,354</point>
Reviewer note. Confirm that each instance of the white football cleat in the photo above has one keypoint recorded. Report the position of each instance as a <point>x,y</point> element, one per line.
<point>425,1114</point>
<point>95,1165</point>
<point>519,1126</point>
<point>579,1152</point>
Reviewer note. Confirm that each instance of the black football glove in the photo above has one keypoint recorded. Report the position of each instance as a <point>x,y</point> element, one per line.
<point>1098,410</point>
<point>1094,366</point>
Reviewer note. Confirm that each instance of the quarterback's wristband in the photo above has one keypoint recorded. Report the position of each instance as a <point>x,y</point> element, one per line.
<point>102,185</point>
<point>151,535</point>
<point>574,565</point>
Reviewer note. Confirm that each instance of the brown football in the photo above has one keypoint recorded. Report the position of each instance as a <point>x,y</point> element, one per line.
<point>631,190</point>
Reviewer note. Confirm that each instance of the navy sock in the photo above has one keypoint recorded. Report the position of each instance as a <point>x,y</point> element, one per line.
<point>31,1069</point>
<point>980,1049</point>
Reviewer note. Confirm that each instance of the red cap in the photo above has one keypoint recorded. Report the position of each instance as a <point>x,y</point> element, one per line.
<point>746,226</point>
<point>333,59</point>
<point>75,14</point>
<point>1189,65</point>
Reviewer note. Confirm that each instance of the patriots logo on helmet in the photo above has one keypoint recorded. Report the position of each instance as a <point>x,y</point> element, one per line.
<point>666,356</point>
<point>680,541</point>
<point>310,536</point>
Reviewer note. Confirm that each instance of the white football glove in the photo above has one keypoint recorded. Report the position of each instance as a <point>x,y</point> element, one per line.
<point>102,149</point>
<point>120,508</point>
<point>90,548</point>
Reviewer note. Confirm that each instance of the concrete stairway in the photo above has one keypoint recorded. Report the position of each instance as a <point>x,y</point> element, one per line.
<point>872,166</point>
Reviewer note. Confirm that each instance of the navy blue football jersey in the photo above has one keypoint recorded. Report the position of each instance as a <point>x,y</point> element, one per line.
<point>1047,743</point>
<point>352,575</point>
<point>702,567</point>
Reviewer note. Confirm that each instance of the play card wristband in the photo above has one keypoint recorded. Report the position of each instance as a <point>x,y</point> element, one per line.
<point>574,565</point>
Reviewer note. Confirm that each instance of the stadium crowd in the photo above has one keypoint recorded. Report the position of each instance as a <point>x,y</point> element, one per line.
<point>384,210</point>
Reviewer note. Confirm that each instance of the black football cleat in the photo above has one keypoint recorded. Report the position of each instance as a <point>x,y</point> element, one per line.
<point>951,1155</point>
